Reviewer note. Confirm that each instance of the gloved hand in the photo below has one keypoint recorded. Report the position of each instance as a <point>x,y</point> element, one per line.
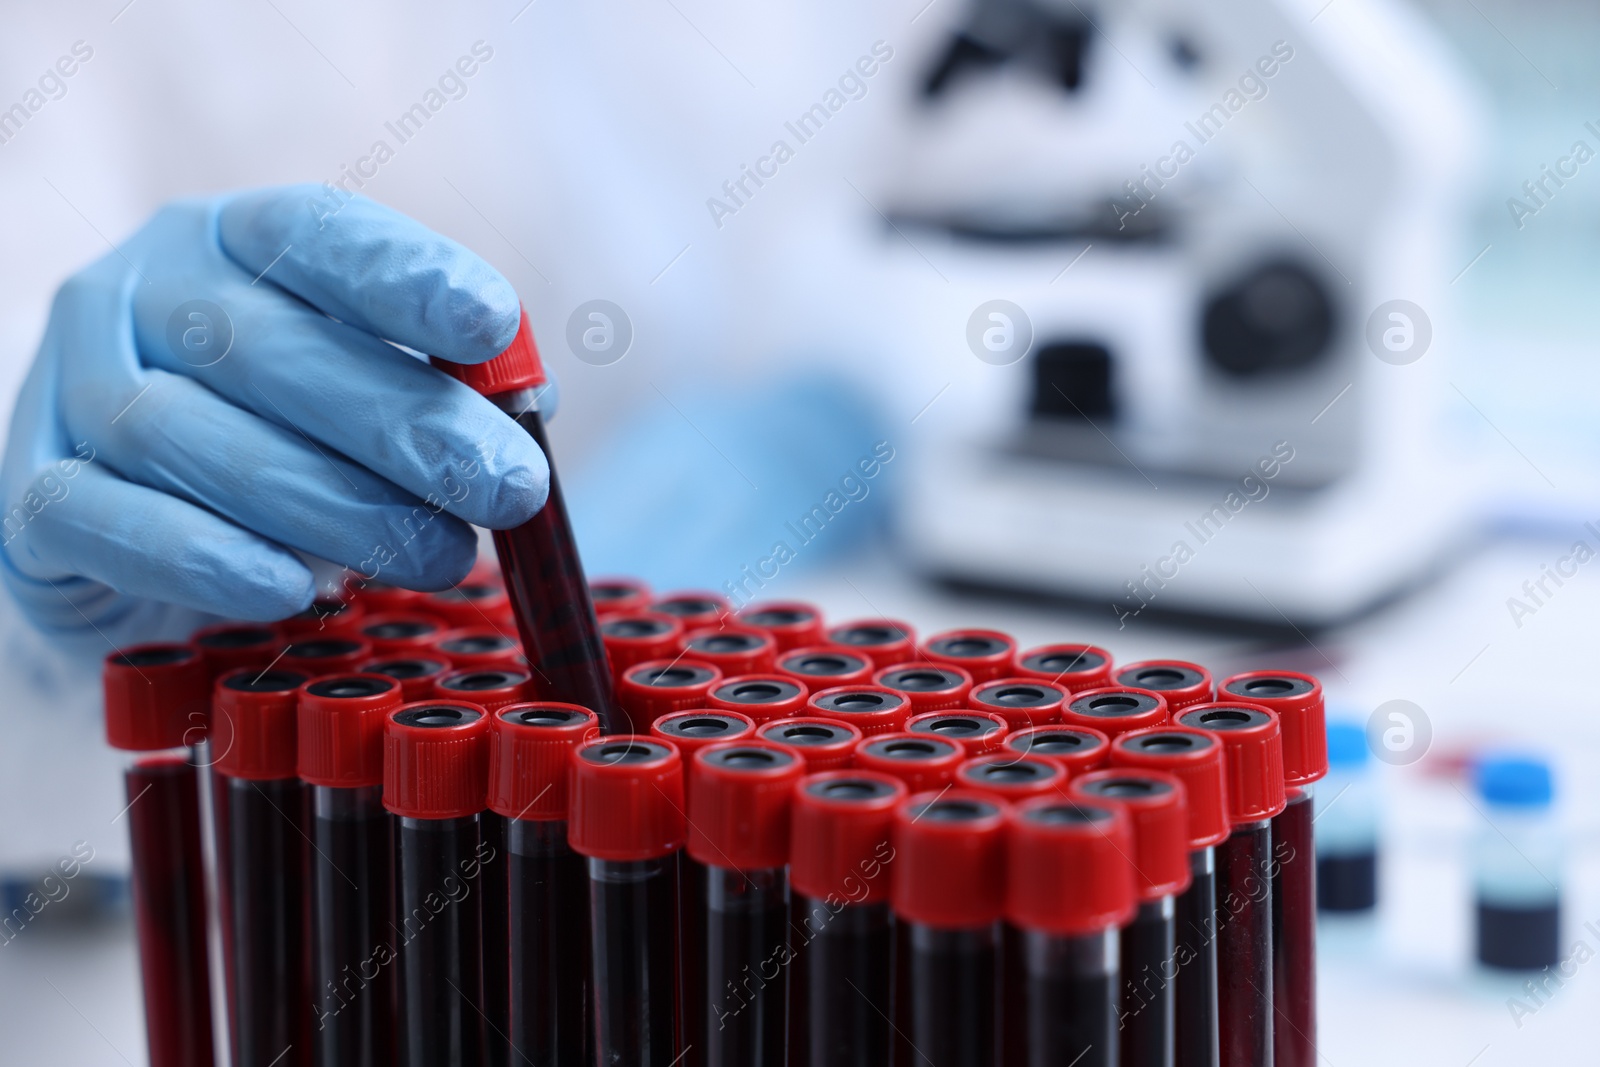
<point>219,391</point>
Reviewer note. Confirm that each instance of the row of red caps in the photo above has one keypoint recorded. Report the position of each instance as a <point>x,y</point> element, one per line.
<point>1015,745</point>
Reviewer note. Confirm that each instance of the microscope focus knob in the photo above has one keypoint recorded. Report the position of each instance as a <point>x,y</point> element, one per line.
<point>1278,316</point>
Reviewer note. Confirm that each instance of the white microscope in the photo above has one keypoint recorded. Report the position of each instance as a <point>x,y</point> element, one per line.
<point>1202,255</point>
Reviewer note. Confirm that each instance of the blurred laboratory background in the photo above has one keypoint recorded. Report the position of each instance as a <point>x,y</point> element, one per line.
<point>1259,334</point>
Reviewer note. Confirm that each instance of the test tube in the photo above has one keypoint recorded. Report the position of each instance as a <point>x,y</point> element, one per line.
<point>977,732</point>
<point>543,572</point>
<point>872,709</point>
<point>490,688</point>
<point>886,641</point>
<point>841,929</point>
<point>547,917</point>
<point>1516,865</point>
<point>1347,832</point>
<point>378,596</point>
<point>266,808</point>
<point>696,608</point>
<point>792,623</point>
<point>825,744</point>
<point>435,784</point>
<point>948,882</point>
<point>1075,666</point>
<point>1022,702</point>
<point>1075,749</point>
<point>691,731</point>
<point>416,674</point>
<point>230,645</point>
<point>1297,700</point>
<point>732,649</point>
<point>318,656</point>
<point>1013,777</point>
<point>478,601</point>
<point>627,820</point>
<point>763,697</point>
<point>325,615</point>
<point>658,687</point>
<point>825,666</point>
<point>740,795</point>
<point>1194,757</point>
<point>396,633</point>
<point>1116,710</point>
<point>612,596</point>
<point>1158,812</point>
<point>1069,886</point>
<point>923,762</point>
<point>928,686</point>
<point>473,647</point>
<point>1180,682</point>
<point>986,655</point>
<point>340,722</point>
<point>1252,760</point>
<point>150,693</point>
<point>633,637</point>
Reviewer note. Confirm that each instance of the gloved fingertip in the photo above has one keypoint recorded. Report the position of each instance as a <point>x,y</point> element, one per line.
<point>274,586</point>
<point>518,495</point>
<point>487,316</point>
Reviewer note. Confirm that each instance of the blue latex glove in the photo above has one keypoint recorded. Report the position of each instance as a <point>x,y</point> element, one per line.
<point>215,394</point>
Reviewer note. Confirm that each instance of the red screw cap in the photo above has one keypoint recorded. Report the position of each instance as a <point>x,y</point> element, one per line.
<point>478,646</point>
<point>1181,683</point>
<point>732,649</point>
<point>626,798</point>
<point>1069,872</point>
<point>616,596</point>
<point>319,656</point>
<point>530,756</point>
<point>326,615</point>
<point>416,675</point>
<point>1012,777</point>
<point>399,632</point>
<point>1252,756</point>
<point>872,709</point>
<point>792,623</point>
<point>949,868</point>
<point>984,654</point>
<point>1075,749</point>
<point>740,796</point>
<point>660,687</point>
<point>157,696</point>
<point>472,603</point>
<point>1115,710</point>
<point>518,367</point>
<point>1072,665</point>
<point>1194,757</point>
<point>841,831</point>
<point>928,686</point>
<point>1297,700</point>
<point>230,645</point>
<point>885,641</point>
<point>977,732</point>
<point>763,697</point>
<point>824,666</point>
<point>341,723</point>
<point>693,730</point>
<point>634,637</point>
<point>491,688</point>
<point>1159,812</point>
<point>436,760</point>
<point>1021,702</point>
<point>825,744</point>
<point>378,596</point>
<point>695,608</point>
<point>921,761</point>
<point>253,723</point>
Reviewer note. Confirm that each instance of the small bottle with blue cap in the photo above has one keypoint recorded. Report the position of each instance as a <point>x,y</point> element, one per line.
<point>1347,824</point>
<point>1517,864</point>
